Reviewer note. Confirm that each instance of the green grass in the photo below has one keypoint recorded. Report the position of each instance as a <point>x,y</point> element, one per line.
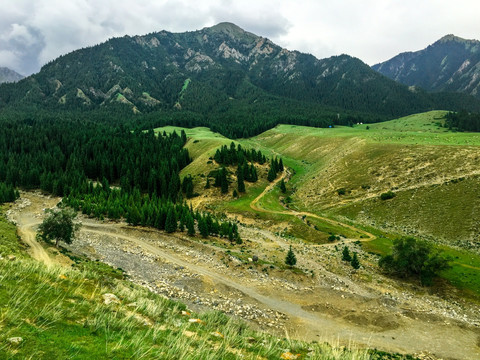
<point>461,274</point>
<point>59,313</point>
<point>9,244</point>
<point>184,88</point>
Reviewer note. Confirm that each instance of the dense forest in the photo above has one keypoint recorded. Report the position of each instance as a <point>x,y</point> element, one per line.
<point>463,121</point>
<point>102,170</point>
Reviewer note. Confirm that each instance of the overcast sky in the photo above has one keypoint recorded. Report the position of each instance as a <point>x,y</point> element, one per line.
<point>33,32</point>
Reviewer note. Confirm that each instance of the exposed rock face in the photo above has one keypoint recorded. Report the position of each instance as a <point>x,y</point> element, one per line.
<point>450,64</point>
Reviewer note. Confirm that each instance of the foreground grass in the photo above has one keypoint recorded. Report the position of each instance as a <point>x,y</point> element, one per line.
<point>60,314</point>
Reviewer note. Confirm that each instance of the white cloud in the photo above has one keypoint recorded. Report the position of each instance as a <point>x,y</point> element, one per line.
<point>34,32</point>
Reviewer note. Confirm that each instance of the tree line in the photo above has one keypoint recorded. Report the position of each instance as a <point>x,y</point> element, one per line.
<point>101,169</point>
<point>463,121</point>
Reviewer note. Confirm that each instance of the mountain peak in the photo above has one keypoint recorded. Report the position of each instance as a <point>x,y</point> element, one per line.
<point>453,38</point>
<point>231,30</point>
<point>8,75</point>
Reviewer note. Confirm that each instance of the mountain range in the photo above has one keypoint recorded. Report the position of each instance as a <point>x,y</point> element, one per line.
<point>450,64</point>
<point>8,75</point>
<point>221,75</point>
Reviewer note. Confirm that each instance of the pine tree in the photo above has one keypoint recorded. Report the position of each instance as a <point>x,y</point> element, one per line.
<point>291,259</point>
<point>271,175</point>
<point>240,182</point>
<point>223,181</point>
<point>235,194</point>
<point>190,225</point>
<point>355,263</point>
<point>203,227</point>
<point>346,254</point>
<point>207,185</point>
<point>171,222</point>
<point>283,188</point>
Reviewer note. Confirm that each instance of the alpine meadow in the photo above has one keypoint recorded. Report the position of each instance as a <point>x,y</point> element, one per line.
<point>211,195</point>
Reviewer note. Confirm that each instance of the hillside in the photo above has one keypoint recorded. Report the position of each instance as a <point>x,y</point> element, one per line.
<point>450,64</point>
<point>8,75</point>
<point>216,74</point>
<point>431,169</point>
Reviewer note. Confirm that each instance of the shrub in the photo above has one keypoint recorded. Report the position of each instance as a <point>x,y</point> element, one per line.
<point>341,191</point>
<point>414,258</point>
<point>387,195</point>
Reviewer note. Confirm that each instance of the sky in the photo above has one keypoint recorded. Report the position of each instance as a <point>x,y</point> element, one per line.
<point>34,32</point>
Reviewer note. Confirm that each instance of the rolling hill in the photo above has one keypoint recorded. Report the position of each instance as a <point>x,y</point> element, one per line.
<point>450,64</point>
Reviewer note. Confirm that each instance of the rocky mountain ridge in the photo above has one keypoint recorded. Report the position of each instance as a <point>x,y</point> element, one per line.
<point>450,64</point>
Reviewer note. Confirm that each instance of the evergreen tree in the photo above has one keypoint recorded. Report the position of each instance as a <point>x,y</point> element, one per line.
<point>207,185</point>
<point>235,194</point>
<point>283,188</point>
<point>346,254</point>
<point>203,227</point>
<point>355,263</point>
<point>171,221</point>
<point>291,259</point>
<point>189,222</point>
<point>271,175</point>
<point>223,181</point>
<point>240,182</point>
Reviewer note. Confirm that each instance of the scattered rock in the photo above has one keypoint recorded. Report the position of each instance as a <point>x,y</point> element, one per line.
<point>289,356</point>
<point>15,340</point>
<point>11,257</point>
<point>110,298</point>
<point>198,321</point>
<point>189,333</point>
<point>218,334</point>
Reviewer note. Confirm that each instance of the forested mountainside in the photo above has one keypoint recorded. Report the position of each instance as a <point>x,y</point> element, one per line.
<point>226,78</point>
<point>450,64</point>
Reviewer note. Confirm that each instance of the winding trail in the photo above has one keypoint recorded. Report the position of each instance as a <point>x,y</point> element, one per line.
<point>254,206</point>
<point>28,234</point>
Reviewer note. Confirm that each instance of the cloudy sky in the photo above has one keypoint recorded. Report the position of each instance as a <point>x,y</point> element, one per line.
<point>33,32</point>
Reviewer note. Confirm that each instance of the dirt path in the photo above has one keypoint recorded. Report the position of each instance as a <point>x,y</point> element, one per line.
<point>28,235</point>
<point>28,215</point>
<point>255,207</point>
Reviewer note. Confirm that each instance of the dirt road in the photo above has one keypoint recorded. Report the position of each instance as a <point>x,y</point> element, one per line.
<point>254,206</point>
<point>28,216</point>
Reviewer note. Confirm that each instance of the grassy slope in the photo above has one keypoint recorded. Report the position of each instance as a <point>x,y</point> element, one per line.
<point>412,156</point>
<point>59,313</point>
<point>428,167</point>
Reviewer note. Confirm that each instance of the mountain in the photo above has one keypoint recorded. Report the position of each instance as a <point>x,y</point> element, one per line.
<point>7,75</point>
<point>450,64</point>
<point>221,75</point>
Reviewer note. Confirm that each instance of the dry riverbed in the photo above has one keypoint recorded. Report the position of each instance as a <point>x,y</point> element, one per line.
<point>324,300</point>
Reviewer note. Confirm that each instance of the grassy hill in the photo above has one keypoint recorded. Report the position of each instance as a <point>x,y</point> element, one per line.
<point>433,172</point>
<point>60,312</point>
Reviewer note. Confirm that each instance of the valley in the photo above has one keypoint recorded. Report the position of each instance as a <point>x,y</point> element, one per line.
<point>322,298</point>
